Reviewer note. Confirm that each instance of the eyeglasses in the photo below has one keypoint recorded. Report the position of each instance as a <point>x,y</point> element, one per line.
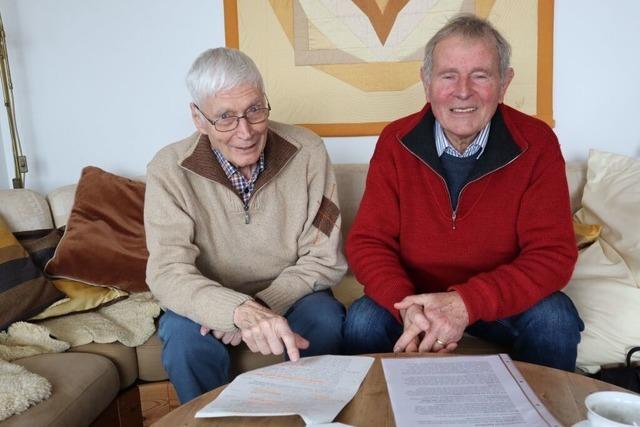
<point>253,115</point>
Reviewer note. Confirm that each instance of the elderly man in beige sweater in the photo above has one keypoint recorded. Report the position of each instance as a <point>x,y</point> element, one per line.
<point>243,231</point>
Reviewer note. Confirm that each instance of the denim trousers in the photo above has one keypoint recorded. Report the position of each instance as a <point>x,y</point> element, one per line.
<point>197,364</point>
<point>546,334</point>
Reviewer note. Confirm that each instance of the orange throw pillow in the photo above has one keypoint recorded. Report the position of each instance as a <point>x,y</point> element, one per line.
<point>104,242</point>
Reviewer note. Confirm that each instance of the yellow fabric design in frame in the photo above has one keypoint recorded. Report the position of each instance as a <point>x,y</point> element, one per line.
<point>348,67</point>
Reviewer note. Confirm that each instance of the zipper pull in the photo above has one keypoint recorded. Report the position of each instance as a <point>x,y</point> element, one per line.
<point>453,220</point>
<point>247,218</point>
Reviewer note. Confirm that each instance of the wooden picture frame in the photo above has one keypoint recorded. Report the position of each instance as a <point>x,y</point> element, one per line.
<point>257,41</point>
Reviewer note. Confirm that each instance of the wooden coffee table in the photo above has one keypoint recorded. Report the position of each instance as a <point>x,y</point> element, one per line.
<point>563,393</point>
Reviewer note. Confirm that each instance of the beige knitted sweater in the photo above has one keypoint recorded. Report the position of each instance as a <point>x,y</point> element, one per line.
<point>207,255</point>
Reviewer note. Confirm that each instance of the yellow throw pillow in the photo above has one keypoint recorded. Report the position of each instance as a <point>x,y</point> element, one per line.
<point>586,234</point>
<point>81,297</point>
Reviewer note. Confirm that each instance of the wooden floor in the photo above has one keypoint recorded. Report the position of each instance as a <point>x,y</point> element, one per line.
<point>124,411</point>
<point>157,399</point>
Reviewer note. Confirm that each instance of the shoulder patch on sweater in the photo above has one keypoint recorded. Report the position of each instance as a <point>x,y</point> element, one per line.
<point>327,216</point>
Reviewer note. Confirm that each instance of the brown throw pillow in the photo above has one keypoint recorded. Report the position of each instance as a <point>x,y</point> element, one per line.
<point>24,290</point>
<point>104,242</point>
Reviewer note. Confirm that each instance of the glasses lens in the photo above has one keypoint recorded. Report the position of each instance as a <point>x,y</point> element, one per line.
<point>258,115</point>
<point>226,124</point>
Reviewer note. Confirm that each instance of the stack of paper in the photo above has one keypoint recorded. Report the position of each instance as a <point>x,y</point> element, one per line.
<point>462,391</point>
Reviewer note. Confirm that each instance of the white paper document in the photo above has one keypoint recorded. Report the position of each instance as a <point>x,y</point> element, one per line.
<point>462,391</point>
<point>316,388</point>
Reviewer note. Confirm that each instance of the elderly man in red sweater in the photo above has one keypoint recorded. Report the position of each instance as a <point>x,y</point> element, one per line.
<point>465,223</point>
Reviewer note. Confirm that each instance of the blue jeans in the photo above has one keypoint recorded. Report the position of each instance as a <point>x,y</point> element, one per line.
<point>546,334</point>
<point>197,364</point>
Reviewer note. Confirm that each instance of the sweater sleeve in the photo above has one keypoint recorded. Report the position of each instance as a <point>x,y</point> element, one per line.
<point>373,247</point>
<point>547,253</point>
<point>172,274</point>
<point>320,264</point>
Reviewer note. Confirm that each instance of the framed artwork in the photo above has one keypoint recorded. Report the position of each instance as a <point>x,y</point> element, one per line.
<point>349,67</point>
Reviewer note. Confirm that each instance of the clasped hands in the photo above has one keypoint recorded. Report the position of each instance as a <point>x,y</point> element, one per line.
<point>262,330</point>
<point>432,322</point>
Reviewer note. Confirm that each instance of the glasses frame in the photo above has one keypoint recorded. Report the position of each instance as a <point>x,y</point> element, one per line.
<point>244,116</point>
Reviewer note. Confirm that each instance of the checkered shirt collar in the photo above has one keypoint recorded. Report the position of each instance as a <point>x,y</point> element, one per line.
<point>238,181</point>
<point>477,146</point>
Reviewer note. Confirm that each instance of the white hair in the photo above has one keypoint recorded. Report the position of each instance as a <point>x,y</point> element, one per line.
<point>469,27</point>
<point>221,69</point>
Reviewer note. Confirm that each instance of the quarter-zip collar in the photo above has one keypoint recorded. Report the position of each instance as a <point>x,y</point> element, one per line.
<point>500,150</point>
<point>202,161</point>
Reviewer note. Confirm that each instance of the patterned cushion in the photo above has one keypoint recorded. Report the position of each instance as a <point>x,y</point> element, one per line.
<point>24,290</point>
<point>40,244</point>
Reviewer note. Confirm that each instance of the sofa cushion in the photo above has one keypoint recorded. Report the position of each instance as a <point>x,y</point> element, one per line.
<point>83,386</point>
<point>123,357</point>
<point>24,290</point>
<point>104,243</point>
<point>150,360</point>
<point>348,290</point>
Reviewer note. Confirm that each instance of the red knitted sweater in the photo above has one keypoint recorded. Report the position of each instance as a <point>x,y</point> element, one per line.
<point>508,244</point>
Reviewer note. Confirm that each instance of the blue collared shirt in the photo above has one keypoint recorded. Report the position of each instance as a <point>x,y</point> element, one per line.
<point>477,146</point>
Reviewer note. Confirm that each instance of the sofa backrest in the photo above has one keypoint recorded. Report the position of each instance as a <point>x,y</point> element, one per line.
<point>29,210</point>
<point>25,210</point>
<point>577,178</point>
<point>351,180</point>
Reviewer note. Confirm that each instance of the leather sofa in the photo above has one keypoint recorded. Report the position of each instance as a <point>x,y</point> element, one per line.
<point>88,380</point>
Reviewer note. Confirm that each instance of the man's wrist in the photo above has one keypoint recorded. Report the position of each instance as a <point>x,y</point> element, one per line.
<point>261,302</point>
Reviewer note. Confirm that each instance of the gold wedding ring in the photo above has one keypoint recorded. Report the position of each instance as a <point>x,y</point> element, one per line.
<point>444,344</point>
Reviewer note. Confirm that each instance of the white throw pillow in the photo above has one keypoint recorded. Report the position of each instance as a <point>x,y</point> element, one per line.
<point>612,198</point>
<point>608,301</point>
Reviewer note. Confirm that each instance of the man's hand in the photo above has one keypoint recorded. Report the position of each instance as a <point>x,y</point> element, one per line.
<point>264,331</point>
<point>233,338</point>
<point>447,317</point>
<point>415,324</point>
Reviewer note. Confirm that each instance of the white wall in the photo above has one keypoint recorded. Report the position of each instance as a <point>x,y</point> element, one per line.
<point>597,76</point>
<point>4,173</point>
<point>101,82</point>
